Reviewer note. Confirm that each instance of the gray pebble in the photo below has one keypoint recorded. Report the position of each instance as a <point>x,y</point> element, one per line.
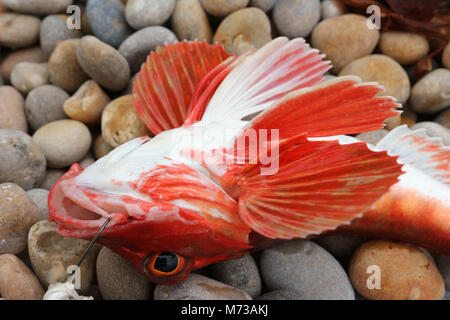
<point>281,295</point>
<point>106,18</point>
<point>40,198</point>
<point>444,268</point>
<point>190,22</point>
<point>434,129</point>
<point>431,93</point>
<point>340,246</point>
<point>265,5</point>
<point>38,7</point>
<point>332,8</point>
<point>138,46</point>
<point>28,75</point>
<point>51,177</point>
<point>304,266</point>
<point>222,8</point>
<point>44,104</point>
<point>145,13</point>
<point>296,18</point>
<point>21,161</point>
<point>444,118</point>
<point>372,137</point>
<point>87,161</point>
<point>53,30</point>
<point>241,273</point>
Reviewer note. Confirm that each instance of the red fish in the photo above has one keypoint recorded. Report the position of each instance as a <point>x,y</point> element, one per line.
<point>212,184</point>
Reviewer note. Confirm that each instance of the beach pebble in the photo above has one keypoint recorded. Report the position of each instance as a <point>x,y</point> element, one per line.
<point>145,13</point>
<point>296,18</point>
<point>103,63</point>
<point>38,7</point>
<point>50,178</point>
<point>101,147</point>
<point>63,142</point>
<point>17,281</point>
<point>404,47</point>
<point>87,161</point>
<point>305,267</point>
<point>344,39</point>
<point>121,123</point>
<point>222,8</point>
<point>198,287</point>
<point>406,272</point>
<point>340,246</point>
<point>281,295</point>
<point>446,56</point>
<point>138,46</point>
<point>245,30</point>
<point>29,75</point>
<point>40,198</point>
<point>3,8</point>
<point>383,70</point>
<point>241,273</point>
<point>332,8</point>
<point>408,117</point>
<point>264,5</point>
<point>431,93</point>
<point>118,280</point>
<point>21,160</point>
<point>444,268</point>
<point>53,30</point>
<point>434,129</point>
<point>18,213</point>
<point>44,104</point>
<point>444,118</point>
<point>18,30</point>
<point>106,19</point>
<point>34,54</point>
<point>372,137</point>
<point>87,104</point>
<point>12,109</point>
<point>51,255</point>
<point>190,22</point>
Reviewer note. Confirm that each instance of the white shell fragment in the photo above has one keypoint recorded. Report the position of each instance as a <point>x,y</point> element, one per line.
<point>63,291</point>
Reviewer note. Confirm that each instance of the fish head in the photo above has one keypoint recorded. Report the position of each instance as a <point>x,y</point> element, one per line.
<point>166,218</point>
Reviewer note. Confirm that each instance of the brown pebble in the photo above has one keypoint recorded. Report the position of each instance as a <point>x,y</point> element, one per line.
<point>222,8</point>
<point>101,147</point>
<point>190,22</point>
<point>51,177</point>
<point>34,54</point>
<point>18,30</point>
<point>404,47</point>
<point>12,109</point>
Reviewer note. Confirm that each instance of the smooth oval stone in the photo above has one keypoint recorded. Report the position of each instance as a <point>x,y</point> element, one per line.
<point>431,93</point>
<point>446,56</point>
<point>444,268</point>
<point>372,137</point>
<point>12,109</point>
<point>198,287</point>
<point>106,19</point>
<point>34,54</point>
<point>87,161</point>
<point>53,30</point>
<point>103,63</point>
<point>245,30</point>
<point>118,280</point>
<point>21,160</point>
<point>28,75</point>
<point>241,273</point>
<point>444,118</point>
<point>281,295</point>
<point>17,214</point>
<point>404,47</point>
<point>38,7</point>
<point>340,246</point>
<point>296,18</point>
<point>17,281</point>
<point>51,255</point>
<point>138,46</point>
<point>222,8</point>
<point>40,198</point>
<point>18,31</point>
<point>145,13</point>
<point>305,267</point>
<point>406,272</point>
<point>332,8</point>
<point>264,5</point>
<point>344,39</point>
<point>44,104</point>
<point>51,177</point>
<point>101,147</point>
<point>434,129</point>
<point>190,22</point>
<point>63,142</point>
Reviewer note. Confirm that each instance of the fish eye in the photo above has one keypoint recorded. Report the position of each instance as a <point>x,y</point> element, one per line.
<point>165,264</point>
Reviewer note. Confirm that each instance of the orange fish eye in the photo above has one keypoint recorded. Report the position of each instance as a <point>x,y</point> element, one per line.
<point>164,264</point>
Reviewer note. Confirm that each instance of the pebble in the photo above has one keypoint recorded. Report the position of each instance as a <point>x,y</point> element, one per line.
<point>241,273</point>
<point>344,39</point>
<point>29,75</point>
<point>190,22</point>
<point>63,68</point>
<point>101,147</point>
<point>38,7</point>
<point>87,161</point>
<point>3,8</point>
<point>199,287</point>
<point>87,104</point>
<point>121,123</point>
<point>434,129</point>
<point>431,93</point>
<point>138,46</point>
<point>145,13</point>
<point>118,280</point>
<point>407,273</point>
<point>340,246</point>
<point>103,63</point>
<point>18,30</point>
<point>305,267</point>
<point>222,8</point>
<point>444,268</point>
<point>404,47</point>
<point>12,109</point>
<point>372,137</point>
<point>44,104</point>
<point>17,281</point>
<point>34,54</point>
<point>408,117</point>
<point>107,22</point>
<point>63,142</point>
<point>446,56</point>
<point>383,70</point>
<point>332,8</point>
<point>51,255</point>
<point>281,295</point>
<point>444,118</point>
<point>18,213</point>
<point>53,30</point>
<point>296,18</point>
<point>245,30</point>
<point>264,5</point>
<point>51,177</point>
<point>40,198</point>
<point>21,160</point>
